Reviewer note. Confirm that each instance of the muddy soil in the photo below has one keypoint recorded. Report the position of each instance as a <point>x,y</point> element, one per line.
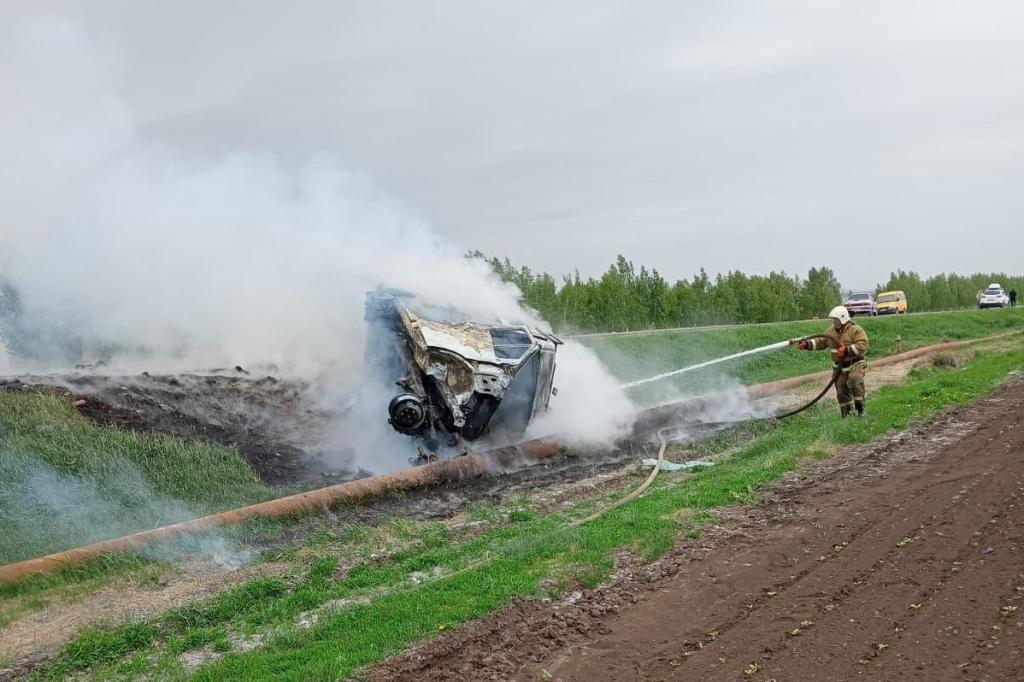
<point>897,560</point>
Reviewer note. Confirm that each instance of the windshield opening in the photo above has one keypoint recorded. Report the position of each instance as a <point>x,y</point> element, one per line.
<point>510,344</point>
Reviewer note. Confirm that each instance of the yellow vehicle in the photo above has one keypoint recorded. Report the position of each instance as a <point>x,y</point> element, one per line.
<point>891,303</point>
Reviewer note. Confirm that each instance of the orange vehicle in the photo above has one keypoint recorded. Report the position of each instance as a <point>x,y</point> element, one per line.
<point>891,303</point>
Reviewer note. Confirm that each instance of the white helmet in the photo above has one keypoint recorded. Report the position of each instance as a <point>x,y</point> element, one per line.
<point>840,313</point>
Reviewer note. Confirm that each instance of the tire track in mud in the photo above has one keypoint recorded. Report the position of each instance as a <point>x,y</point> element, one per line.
<point>817,582</point>
<point>891,572</point>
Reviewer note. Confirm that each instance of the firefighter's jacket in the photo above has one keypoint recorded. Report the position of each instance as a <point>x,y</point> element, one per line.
<point>852,335</point>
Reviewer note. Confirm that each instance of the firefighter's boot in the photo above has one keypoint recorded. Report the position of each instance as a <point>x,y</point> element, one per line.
<point>859,405</point>
<point>844,411</point>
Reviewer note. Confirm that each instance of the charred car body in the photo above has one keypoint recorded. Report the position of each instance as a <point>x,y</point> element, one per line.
<point>458,380</point>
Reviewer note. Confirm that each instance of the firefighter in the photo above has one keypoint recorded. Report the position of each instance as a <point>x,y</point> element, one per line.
<point>848,344</point>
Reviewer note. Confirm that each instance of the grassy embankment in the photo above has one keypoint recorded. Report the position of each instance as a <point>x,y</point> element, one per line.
<point>65,482</point>
<point>636,357</point>
<point>437,578</point>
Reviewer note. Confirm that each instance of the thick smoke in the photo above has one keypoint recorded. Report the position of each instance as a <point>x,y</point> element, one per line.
<point>120,245</point>
<point>590,408</point>
<point>203,261</point>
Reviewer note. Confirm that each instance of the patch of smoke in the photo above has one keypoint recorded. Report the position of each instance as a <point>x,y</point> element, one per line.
<point>728,399</point>
<point>590,408</point>
<point>730,403</point>
<point>172,262</point>
<point>186,262</point>
<point>6,366</point>
<point>45,511</point>
<point>358,435</point>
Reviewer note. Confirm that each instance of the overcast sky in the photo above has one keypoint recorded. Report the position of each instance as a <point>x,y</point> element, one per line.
<point>864,136</point>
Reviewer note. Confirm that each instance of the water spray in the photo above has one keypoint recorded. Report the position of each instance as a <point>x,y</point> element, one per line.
<point>691,368</point>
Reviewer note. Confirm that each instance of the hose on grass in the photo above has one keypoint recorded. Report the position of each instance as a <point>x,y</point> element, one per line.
<point>830,384</point>
<point>642,488</point>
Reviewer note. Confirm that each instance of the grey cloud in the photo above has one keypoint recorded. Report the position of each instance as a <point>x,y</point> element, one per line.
<point>719,134</point>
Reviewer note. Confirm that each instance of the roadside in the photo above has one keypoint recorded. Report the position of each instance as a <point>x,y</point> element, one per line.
<point>363,605</point>
<point>898,560</point>
<point>42,629</point>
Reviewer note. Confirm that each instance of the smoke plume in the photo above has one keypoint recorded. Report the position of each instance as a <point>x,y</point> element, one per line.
<point>590,408</point>
<point>203,261</point>
<point>119,244</point>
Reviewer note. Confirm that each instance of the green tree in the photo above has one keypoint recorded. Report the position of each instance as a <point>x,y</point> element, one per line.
<point>819,293</point>
<point>625,298</point>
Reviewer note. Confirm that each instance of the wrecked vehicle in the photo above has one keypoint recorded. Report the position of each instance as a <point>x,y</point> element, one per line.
<point>459,380</point>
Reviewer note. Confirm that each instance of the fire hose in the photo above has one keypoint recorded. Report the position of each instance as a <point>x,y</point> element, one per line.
<point>663,445</point>
<point>831,382</point>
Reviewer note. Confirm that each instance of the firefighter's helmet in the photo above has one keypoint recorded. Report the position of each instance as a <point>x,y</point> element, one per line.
<point>840,313</point>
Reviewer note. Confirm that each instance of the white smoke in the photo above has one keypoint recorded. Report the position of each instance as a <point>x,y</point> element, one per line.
<point>236,259</point>
<point>202,261</point>
<point>732,402</point>
<point>5,360</point>
<point>590,407</point>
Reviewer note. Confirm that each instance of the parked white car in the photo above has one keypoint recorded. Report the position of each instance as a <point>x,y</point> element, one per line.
<point>862,303</point>
<point>994,297</point>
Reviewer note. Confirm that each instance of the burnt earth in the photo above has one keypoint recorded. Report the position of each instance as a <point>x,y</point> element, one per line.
<point>270,422</point>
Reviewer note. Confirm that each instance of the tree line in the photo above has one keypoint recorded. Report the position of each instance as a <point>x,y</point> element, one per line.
<point>625,298</point>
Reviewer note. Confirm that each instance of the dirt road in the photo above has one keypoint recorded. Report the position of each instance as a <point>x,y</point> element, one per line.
<point>899,560</point>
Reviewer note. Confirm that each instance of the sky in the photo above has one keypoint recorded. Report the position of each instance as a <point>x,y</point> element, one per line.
<point>864,136</point>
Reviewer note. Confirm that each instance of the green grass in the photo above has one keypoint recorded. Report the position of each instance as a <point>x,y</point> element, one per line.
<point>96,646</point>
<point>65,482</point>
<point>74,581</point>
<point>640,356</point>
<point>435,581</point>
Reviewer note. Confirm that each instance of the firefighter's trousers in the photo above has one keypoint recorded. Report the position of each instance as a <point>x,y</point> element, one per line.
<point>850,386</point>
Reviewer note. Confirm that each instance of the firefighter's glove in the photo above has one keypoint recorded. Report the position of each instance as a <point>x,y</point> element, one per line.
<point>804,345</point>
